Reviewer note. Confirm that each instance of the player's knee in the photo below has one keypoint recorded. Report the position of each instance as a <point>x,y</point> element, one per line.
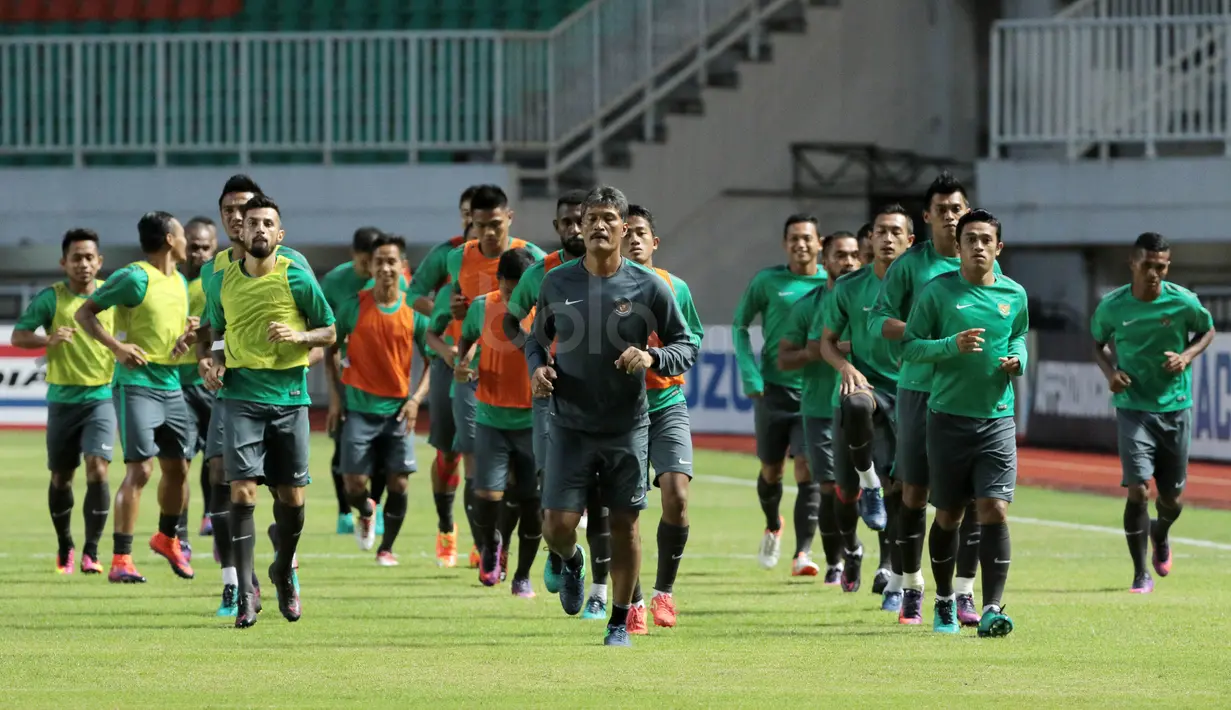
<point>290,496</point>
<point>772,472</point>
<point>846,496</point>
<point>915,497</point>
<point>992,511</point>
<point>137,473</point>
<point>858,406</point>
<point>1138,493</point>
<point>62,479</point>
<point>674,488</point>
<point>489,495</point>
<point>1169,502</point>
<point>624,523</point>
<point>949,519</point>
<point>96,468</point>
<point>243,492</point>
<point>829,488</point>
<point>558,525</point>
<point>398,483</point>
<point>803,473</point>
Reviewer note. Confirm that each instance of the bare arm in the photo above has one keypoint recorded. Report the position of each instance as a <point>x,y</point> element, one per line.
<point>87,318</point>
<point>831,351</point>
<point>424,305</point>
<point>28,340</point>
<point>1106,359</point>
<point>792,356</point>
<point>319,337</point>
<point>893,329</point>
<point>1196,346</point>
<point>425,383</point>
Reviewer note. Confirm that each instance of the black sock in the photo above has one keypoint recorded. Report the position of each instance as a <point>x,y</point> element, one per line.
<point>97,506</point>
<point>893,508</point>
<point>181,526</point>
<point>913,523</point>
<point>847,515</point>
<point>339,483</point>
<point>994,557</point>
<point>619,615</point>
<point>290,524</point>
<point>942,547</point>
<point>968,543</point>
<point>468,504</point>
<point>243,544</point>
<point>531,532</point>
<point>1167,515</point>
<point>444,511</point>
<point>1137,532</point>
<point>831,539</point>
<point>394,512</point>
<point>598,537</point>
<point>168,523</point>
<point>483,515</point>
<point>573,562</point>
<point>770,495</point>
<point>206,489</point>
<point>122,544</point>
<point>378,487</point>
<point>60,503</point>
<point>807,514</point>
<point>220,516</point>
<point>506,519</point>
<point>362,503</point>
<point>671,542</point>
<point>638,597</point>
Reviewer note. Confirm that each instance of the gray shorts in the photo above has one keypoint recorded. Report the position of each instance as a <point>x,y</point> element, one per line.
<point>440,405</point>
<point>74,429</point>
<point>265,442</point>
<point>577,460</point>
<point>216,434</point>
<point>154,423</point>
<point>671,441</point>
<point>1155,445</point>
<point>818,434</point>
<point>465,408</point>
<point>542,419</point>
<point>504,459</point>
<point>884,443</point>
<point>372,444</point>
<point>778,424</point>
<point>971,459</point>
<point>200,409</point>
<point>910,464</point>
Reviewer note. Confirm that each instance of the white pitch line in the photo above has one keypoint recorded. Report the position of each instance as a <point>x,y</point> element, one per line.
<point>1210,544</point>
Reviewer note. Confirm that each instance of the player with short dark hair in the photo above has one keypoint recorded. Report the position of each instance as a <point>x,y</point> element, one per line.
<point>340,284</point>
<point>866,252</point>
<point>202,236</point>
<point>152,297</point>
<point>816,499</point>
<point>505,470</point>
<point>670,435</point>
<point>971,325</point>
<point>431,277</point>
<point>601,311</point>
<point>273,313</point>
<point>1144,333</point>
<point>380,331</point>
<point>864,428</point>
<point>779,426</point>
<point>80,414</point>
<point>946,203</point>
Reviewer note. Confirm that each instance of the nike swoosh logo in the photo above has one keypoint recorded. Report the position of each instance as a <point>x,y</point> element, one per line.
<point>685,462</point>
<point>567,302</point>
<point>784,293</point>
<point>1129,322</point>
<point>965,305</point>
<point>867,308</point>
<point>1000,561</point>
<point>104,447</point>
<point>676,557</point>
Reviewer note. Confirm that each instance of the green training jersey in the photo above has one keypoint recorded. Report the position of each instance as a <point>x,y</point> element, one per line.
<point>848,309</point>
<point>820,381</point>
<point>662,392</point>
<point>770,295</point>
<point>1141,332</point>
<point>899,290</point>
<point>968,384</point>
<point>154,308</point>
<point>381,338</point>
<point>526,294</point>
<point>433,271</point>
<point>80,370</point>
<point>258,370</point>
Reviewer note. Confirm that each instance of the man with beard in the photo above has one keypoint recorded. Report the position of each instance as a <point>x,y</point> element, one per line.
<point>273,313</point>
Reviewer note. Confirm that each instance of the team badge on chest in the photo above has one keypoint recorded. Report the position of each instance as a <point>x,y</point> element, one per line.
<point>1004,309</point>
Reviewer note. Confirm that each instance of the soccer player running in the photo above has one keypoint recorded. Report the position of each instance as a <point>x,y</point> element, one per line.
<point>602,311</point>
<point>816,502</point>
<point>1145,347</point>
<point>431,276</point>
<point>776,394</point>
<point>504,429</point>
<point>202,236</point>
<point>971,325</point>
<point>273,313</point>
<point>864,428</point>
<point>946,203</point>
<point>472,272</point>
<point>381,331</point>
<point>670,435</point>
<point>80,415</point>
<point>153,416</point>
<point>340,285</point>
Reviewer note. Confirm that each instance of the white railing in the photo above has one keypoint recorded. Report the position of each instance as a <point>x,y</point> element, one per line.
<point>1085,83</point>
<point>559,93</point>
<point>1110,9</point>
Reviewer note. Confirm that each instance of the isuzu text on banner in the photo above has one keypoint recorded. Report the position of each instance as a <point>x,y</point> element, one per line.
<point>23,391</point>
<point>1071,405</point>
